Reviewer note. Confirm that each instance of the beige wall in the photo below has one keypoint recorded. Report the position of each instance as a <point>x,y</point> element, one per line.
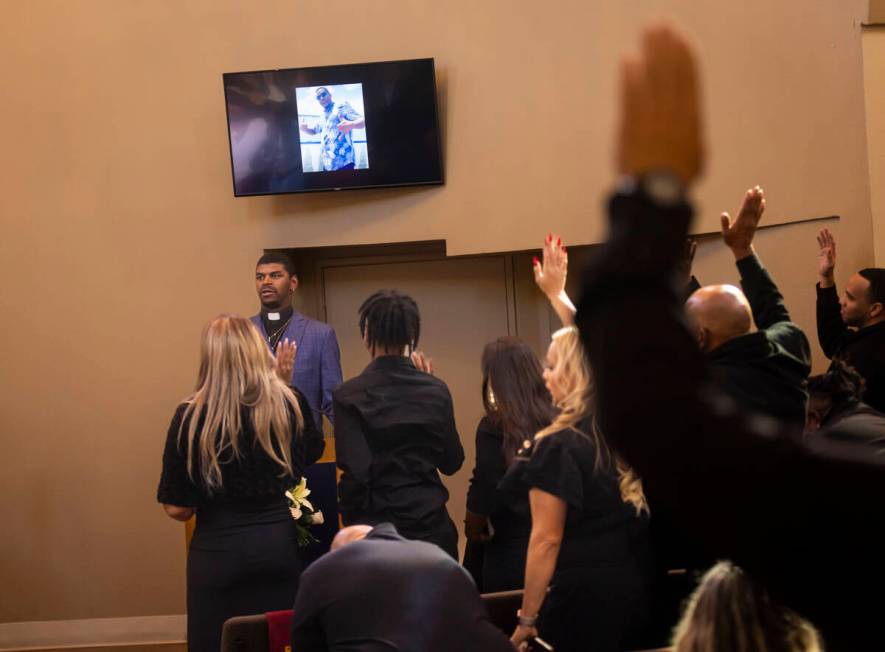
<point>121,237</point>
<point>874,90</point>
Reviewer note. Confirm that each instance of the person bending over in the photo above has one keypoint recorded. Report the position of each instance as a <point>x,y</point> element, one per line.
<point>377,591</point>
<point>233,449</point>
<point>589,538</point>
<point>853,329</point>
<point>395,428</point>
<point>517,405</point>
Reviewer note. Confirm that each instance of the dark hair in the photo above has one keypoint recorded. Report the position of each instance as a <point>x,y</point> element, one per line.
<point>841,387</point>
<point>390,319</point>
<point>522,405</point>
<point>876,277</point>
<point>278,257</point>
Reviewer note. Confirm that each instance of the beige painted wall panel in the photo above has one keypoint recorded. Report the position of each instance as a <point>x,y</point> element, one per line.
<point>121,237</point>
<point>874,89</point>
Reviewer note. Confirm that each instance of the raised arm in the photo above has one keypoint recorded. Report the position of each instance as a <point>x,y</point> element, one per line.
<point>550,274</point>
<point>765,299</point>
<point>831,329</point>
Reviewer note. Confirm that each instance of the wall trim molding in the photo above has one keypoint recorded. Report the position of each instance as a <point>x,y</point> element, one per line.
<point>93,632</point>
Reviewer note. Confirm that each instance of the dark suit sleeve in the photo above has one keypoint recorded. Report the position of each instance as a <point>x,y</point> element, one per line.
<point>786,512</point>
<point>453,452</point>
<point>311,438</point>
<point>352,455</point>
<point>769,310</point>
<point>330,372</point>
<point>307,628</point>
<point>831,330</point>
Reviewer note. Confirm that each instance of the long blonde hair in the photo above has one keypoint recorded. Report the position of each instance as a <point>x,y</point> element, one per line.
<point>576,405</point>
<point>729,612</point>
<point>236,369</point>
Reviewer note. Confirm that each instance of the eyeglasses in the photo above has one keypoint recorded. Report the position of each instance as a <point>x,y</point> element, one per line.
<point>322,95</point>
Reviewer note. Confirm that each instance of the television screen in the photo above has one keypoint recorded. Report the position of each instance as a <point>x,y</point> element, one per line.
<point>333,127</point>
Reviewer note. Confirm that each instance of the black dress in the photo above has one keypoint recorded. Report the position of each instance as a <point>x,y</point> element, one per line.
<point>243,557</point>
<point>394,430</point>
<point>599,593</point>
<point>503,561</point>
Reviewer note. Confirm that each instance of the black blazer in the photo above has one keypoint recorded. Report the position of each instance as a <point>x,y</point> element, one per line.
<point>394,429</point>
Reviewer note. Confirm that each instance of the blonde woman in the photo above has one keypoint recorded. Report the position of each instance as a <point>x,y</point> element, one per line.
<point>729,612</point>
<point>234,447</point>
<point>589,540</point>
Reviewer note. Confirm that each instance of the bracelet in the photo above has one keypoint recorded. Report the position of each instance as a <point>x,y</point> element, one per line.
<point>526,621</point>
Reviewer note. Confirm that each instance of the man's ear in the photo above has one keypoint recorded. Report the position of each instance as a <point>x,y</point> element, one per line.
<point>293,283</point>
<point>876,310</point>
<point>703,337</point>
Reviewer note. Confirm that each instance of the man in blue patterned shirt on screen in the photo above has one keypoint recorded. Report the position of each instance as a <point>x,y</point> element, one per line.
<point>336,125</point>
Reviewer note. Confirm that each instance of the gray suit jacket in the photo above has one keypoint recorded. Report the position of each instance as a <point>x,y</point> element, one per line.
<point>317,362</point>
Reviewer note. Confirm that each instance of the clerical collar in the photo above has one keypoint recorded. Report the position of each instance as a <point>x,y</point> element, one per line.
<point>277,316</point>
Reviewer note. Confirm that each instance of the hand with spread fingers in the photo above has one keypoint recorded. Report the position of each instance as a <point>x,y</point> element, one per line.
<point>826,258</point>
<point>738,234</point>
<point>660,128</point>
<point>284,361</point>
<point>550,274</point>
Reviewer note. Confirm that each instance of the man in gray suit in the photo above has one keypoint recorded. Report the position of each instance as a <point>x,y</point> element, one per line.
<point>316,367</point>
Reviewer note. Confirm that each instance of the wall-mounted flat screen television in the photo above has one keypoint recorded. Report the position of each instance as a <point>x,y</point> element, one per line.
<point>333,127</point>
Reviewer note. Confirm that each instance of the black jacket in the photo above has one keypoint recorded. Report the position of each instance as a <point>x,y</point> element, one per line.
<point>860,422</point>
<point>805,520</point>
<point>394,429</point>
<point>385,593</point>
<point>765,371</point>
<point>863,349</point>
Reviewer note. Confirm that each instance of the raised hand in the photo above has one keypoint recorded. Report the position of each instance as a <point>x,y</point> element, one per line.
<point>284,361</point>
<point>826,258</point>
<point>551,271</point>
<point>738,234</point>
<point>422,362</point>
<point>660,109</point>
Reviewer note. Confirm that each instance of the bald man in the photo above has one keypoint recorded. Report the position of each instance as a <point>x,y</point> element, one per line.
<point>377,591</point>
<point>763,370</point>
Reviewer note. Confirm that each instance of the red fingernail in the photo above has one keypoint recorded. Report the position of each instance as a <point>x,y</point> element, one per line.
<point>558,242</point>
<point>535,260</point>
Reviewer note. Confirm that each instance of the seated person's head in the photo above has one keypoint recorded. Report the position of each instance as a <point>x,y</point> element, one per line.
<point>717,314</point>
<point>863,302</point>
<point>831,393</point>
<point>390,323</point>
<point>729,612</point>
<point>350,534</point>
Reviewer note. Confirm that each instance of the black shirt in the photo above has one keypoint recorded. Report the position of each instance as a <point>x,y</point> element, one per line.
<point>863,349</point>
<point>507,512</point>
<point>394,428</point>
<point>253,476</point>
<point>601,530</point>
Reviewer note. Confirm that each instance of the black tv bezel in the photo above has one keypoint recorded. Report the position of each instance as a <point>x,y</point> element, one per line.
<point>411,184</point>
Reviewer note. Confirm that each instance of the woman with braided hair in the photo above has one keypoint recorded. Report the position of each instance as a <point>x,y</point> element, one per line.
<point>395,430</point>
